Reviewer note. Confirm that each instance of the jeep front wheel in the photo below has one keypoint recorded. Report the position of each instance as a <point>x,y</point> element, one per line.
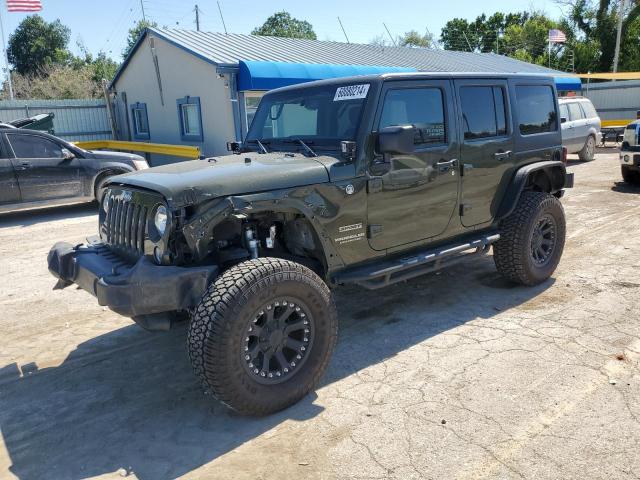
<point>262,335</point>
<point>630,176</point>
<point>531,239</point>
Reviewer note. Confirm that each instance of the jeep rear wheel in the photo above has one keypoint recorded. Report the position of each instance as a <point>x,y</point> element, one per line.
<point>588,151</point>
<point>531,239</point>
<point>262,335</point>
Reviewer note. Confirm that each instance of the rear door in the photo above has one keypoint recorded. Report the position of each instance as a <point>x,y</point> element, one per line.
<point>43,173</point>
<point>577,126</point>
<point>9,190</point>
<point>486,152</point>
<point>412,197</point>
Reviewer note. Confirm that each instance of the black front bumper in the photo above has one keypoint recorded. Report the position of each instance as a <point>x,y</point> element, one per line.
<point>130,290</point>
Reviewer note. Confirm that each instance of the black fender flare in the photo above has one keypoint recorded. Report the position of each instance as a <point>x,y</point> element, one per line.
<point>555,173</point>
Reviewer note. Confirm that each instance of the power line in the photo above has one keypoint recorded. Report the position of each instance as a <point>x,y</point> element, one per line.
<point>222,18</point>
<point>388,33</point>
<point>345,33</point>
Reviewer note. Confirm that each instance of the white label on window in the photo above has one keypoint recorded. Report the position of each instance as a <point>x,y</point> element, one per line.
<point>351,92</point>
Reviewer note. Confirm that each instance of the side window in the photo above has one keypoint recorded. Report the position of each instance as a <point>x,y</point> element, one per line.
<point>589,109</point>
<point>483,112</point>
<point>536,109</point>
<point>140,120</point>
<point>575,112</point>
<point>423,108</point>
<point>31,146</point>
<point>564,111</point>
<point>190,118</point>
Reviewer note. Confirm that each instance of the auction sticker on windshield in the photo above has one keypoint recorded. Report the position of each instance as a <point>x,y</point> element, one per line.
<point>351,92</point>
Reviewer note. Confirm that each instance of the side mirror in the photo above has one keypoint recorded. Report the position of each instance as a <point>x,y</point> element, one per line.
<point>396,139</point>
<point>67,154</point>
<point>563,119</point>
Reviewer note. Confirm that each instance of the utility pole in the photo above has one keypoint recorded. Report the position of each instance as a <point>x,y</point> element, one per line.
<point>389,33</point>
<point>144,17</point>
<point>197,18</point>
<point>497,44</point>
<point>616,55</point>
<point>343,31</point>
<point>222,18</point>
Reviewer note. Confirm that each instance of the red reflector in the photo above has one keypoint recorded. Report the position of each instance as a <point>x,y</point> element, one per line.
<point>564,155</point>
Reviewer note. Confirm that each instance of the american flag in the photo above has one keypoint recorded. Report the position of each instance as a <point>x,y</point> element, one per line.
<point>557,36</point>
<point>24,5</point>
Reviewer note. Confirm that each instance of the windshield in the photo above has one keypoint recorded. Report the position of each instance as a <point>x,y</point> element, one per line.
<point>318,115</point>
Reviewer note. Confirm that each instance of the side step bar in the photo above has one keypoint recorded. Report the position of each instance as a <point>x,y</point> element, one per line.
<point>393,271</point>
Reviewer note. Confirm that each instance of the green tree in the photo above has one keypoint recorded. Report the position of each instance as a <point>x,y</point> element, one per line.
<point>414,39</point>
<point>479,35</point>
<point>36,44</point>
<point>134,34</point>
<point>282,24</point>
<point>597,22</point>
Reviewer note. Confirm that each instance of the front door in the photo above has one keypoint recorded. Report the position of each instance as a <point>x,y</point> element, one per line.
<point>413,197</point>
<point>43,173</point>
<point>9,190</point>
<point>486,152</point>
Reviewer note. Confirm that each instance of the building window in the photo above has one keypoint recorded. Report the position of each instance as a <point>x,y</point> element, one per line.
<point>190,118</point>
<point>251,102</point>
<point>140,121</point>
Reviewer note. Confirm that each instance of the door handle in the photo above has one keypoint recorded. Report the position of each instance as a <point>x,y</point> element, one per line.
<point>23,166</point>
<point>446,165</point>
<point>500,156</point>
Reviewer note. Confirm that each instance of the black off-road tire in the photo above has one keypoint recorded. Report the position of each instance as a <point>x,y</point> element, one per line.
<point>630,176</point>
<point>218,325</point>
<point>513,253</point>
<point>587,154</point>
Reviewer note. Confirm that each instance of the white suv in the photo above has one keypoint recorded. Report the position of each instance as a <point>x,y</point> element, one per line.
<point>580,126</point>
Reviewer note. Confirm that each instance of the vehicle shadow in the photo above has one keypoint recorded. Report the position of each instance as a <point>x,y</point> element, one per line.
<point>26,218</point>
<point>624,187</point>
<point>128,399</point>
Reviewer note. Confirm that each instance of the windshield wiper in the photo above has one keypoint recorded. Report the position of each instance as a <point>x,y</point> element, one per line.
<point>260,144</point>
<point>306,147</point>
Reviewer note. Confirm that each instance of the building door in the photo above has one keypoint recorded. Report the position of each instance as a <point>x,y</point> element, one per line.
<point>486,152</point>
<point>413,197</point>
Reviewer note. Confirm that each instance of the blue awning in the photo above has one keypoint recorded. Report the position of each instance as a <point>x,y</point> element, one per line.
<point>255,75</point>
<point>568,83</point>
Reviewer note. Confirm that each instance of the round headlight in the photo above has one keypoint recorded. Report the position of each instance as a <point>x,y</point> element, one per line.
<point>160,219</point>
<point>105,201</point>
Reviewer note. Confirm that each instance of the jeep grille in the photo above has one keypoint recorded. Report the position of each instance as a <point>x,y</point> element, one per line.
<point>124,227</point>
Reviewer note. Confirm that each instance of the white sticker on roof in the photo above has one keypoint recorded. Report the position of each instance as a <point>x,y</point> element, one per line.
<point>351,92</point>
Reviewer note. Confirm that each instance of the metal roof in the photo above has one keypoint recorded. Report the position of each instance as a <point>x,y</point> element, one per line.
<point>229,49</point>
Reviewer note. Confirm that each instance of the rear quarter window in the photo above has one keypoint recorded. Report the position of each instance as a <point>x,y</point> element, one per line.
<point>589,109</point>
<point>536,109</point>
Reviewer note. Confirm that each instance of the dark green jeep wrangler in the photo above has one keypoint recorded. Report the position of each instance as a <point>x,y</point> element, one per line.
<point>366,180</point>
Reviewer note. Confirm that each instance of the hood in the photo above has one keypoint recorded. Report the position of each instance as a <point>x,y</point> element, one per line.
<point>230,175</point>
<point>109,155</point>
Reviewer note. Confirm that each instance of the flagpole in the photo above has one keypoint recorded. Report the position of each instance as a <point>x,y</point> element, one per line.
<point>549,38</point>
<point>6,58</point>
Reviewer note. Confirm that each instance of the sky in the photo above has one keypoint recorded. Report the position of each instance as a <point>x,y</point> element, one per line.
<point>103,26</point>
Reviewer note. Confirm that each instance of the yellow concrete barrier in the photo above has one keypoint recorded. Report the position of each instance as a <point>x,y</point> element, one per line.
<point>615,123</point>
<point>184,151</point>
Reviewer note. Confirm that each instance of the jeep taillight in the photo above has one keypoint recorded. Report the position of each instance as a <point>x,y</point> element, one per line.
<point>565,152</point>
